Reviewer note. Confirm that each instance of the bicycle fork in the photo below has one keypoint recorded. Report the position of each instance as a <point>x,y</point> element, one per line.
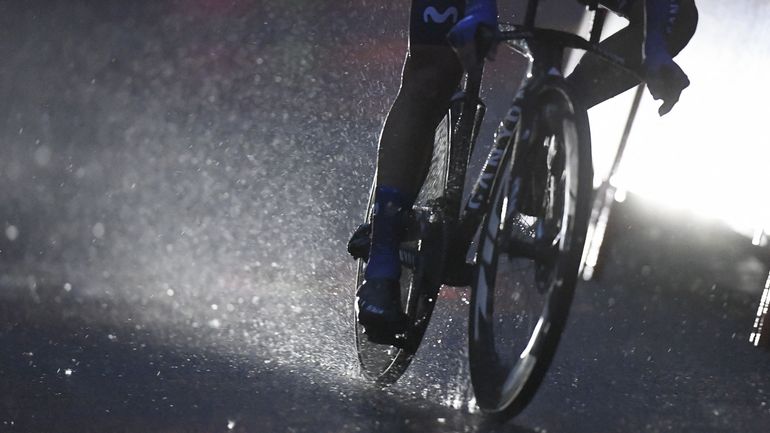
<point>516,134</point>
<point>478,202</point>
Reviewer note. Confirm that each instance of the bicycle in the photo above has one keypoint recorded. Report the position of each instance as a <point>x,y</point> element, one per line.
<point>521,231</point>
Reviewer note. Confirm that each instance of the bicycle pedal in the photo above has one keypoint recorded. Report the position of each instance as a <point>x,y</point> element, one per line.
<point>458,275</point>
<point>407,253</point>
<point>360,241</point>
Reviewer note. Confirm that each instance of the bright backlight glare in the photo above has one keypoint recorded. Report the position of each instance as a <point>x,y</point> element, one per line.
<point>711,154</point>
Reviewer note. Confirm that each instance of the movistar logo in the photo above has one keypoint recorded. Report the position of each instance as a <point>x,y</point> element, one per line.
<point>433,15</point>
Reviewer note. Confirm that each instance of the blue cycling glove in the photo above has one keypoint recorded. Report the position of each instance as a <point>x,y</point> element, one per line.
<point>475,30</point>
<point>664,77</point>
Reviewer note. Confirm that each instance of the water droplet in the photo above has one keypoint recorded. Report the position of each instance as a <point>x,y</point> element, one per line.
<point>11,232</point>
<point>98,230</point>
<point>43,156</point>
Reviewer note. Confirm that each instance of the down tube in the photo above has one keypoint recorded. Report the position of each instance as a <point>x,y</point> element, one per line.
<point>479,198</point>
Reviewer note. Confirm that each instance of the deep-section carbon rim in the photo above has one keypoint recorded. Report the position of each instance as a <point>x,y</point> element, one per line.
<point>516,318</point>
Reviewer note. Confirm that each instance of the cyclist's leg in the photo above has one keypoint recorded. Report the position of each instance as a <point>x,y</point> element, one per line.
<point>431,74</point>
<point>595,81</point>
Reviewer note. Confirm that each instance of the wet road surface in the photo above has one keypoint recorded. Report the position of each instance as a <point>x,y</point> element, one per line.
<point>658,344</point>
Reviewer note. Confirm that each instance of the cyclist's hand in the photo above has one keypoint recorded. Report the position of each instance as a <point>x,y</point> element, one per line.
<point>475,36</point>
<point>665,79</point>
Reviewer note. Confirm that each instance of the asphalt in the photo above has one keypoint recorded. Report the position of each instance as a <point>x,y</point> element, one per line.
<point>653,345</point>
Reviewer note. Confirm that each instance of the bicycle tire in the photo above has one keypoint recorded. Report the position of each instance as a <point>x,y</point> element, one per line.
<point>426,242</point>
<point>503,388</point>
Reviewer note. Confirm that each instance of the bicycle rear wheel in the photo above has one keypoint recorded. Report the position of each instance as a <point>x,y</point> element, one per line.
<point>529,254</point>
<point>422,255</point>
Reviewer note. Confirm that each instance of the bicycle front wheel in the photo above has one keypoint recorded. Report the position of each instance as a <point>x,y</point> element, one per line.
<point>529,253</point>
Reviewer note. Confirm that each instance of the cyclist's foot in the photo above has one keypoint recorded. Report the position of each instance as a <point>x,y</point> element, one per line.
<point>378,308</point>
<point>387,230</point>
<point>378,301</point>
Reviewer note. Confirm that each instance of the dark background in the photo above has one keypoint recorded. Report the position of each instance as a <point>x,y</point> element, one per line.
<point>179,179</point>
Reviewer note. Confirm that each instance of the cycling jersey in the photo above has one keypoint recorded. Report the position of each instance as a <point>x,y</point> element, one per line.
<point>431,20</point>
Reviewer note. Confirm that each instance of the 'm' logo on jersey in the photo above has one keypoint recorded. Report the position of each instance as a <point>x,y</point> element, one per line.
<point>432,15</point>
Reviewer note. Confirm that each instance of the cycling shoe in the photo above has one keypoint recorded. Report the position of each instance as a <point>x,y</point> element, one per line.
<point>378,309</point>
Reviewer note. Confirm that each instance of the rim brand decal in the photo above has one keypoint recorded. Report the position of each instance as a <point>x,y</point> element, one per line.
<point>433,15</point>
<point>509,123</point>
<point>485,181</point>
<point>489,171</point>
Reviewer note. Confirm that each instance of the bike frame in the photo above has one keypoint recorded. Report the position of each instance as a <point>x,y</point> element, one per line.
<point>545,51</point>
<point>444,227</point>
